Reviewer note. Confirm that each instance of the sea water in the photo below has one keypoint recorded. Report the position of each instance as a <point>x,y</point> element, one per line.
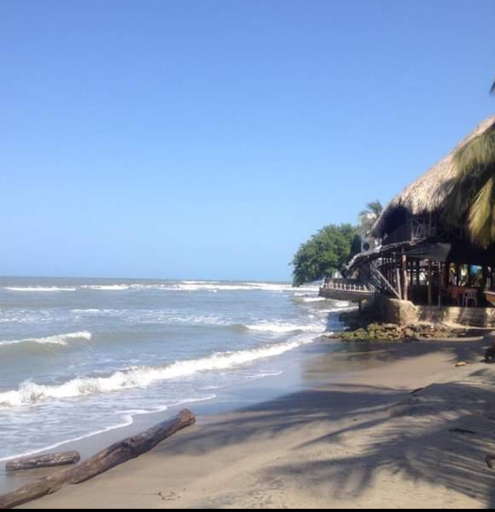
<point>80,357</point>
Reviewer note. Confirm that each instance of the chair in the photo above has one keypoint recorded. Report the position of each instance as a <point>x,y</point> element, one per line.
<point>470,297</point>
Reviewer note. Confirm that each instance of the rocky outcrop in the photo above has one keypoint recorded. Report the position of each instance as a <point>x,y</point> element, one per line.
<point>395,332</point>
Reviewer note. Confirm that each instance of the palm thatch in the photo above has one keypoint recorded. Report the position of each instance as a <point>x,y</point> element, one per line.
<point>428,193</point>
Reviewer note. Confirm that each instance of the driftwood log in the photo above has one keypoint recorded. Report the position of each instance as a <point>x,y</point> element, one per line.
<point>43,461</point>
<point>109,458</point>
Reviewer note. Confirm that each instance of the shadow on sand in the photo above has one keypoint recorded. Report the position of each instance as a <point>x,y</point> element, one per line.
<point>439,435</point>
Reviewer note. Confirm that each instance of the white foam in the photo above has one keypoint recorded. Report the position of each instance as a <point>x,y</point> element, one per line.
<point>40,289</point>
<point>30,393</point>
<point>314,299</point>
<point>127,418</point>
<point>59,339</point>
<point>187,286</point>
<point>281,327</point>
<point>151,316</point>
<point>99,312</point>
<point>216,286</point>
<point>107,288</point>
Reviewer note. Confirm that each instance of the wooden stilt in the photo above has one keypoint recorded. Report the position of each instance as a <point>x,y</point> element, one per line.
<point>405,282</point>
<point>430,283</point>
<point>440,284</point>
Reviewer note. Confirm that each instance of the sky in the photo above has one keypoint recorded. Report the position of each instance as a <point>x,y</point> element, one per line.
<point>207,139</point>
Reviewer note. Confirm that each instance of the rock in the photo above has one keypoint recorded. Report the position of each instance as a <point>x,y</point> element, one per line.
<point>409,333</point>
<point>392,332</point>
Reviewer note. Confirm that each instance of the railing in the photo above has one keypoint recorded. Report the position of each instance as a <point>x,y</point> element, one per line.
<point>348,285</point>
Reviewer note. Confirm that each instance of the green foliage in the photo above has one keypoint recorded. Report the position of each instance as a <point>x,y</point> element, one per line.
<point>472,199</point>
<point>324,253</point>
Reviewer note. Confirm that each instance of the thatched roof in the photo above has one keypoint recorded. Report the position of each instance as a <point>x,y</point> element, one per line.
<point>428,193</point>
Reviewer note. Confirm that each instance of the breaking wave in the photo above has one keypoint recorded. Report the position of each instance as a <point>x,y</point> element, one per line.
<point>107,288</point>
<point>39,289</point>
<point>59,339</point>
<point>30,393</point>
<point>184,286</point>
<point>282,327</point>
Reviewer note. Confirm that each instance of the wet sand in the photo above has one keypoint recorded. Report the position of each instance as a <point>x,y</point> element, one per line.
<point>367,439</point>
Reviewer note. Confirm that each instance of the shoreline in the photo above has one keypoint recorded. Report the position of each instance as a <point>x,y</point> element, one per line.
<point>227,399</point>
<point>303,448</point>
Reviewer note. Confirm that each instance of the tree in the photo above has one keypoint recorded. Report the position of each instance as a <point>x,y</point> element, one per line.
<point>472,198</point>
<point>369,216</point>
<point>325,253</point>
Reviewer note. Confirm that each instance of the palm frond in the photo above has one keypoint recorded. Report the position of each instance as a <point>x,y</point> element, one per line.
<point>375,207</point>
<point>474,164</point>
<point>477,155</point>
<point>481,218</point>
<point>492,90</point>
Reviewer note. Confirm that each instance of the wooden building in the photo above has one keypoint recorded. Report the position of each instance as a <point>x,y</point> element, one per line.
<point>422,258</point>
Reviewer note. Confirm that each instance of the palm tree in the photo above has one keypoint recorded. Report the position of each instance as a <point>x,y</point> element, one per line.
<point>472,199</point>
<point>369,216</point>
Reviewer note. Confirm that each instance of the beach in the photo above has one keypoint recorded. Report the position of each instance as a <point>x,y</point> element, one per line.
<point>401,427</point>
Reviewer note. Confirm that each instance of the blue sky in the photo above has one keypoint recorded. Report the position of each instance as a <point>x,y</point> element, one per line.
<point>209,138</point>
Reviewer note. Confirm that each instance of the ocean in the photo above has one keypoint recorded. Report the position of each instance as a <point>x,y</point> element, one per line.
<point>80,357</point>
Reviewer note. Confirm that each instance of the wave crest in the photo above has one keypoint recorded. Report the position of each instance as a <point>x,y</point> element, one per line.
<point>30,393</point>
<point>59,339</point>
<point>40,289</point>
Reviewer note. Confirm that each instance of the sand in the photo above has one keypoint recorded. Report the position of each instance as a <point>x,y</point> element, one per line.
<point>368,441</point>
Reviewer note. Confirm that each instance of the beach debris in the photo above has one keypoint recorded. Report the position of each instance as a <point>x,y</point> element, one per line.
<point>489,460</point>
<point>49,460</point>
<point>103,461</point>
<point>173,496</point>
<point>460,364</point>
<point>416,391</point>
<point>490,351</point>
<point>462,431</point>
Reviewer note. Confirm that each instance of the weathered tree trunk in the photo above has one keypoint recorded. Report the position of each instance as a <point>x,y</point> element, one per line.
<point>43,461</point>
<point>129,448</point>
<point>116,454</point>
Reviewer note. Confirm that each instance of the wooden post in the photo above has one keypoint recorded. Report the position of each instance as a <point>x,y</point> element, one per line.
<point>430,283</point>
<point>399,287</point>
<point>418,280</point>
<point>405,282</point>
<point>447,274</point>
<point>440,284</point>
<point>484,278</point>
